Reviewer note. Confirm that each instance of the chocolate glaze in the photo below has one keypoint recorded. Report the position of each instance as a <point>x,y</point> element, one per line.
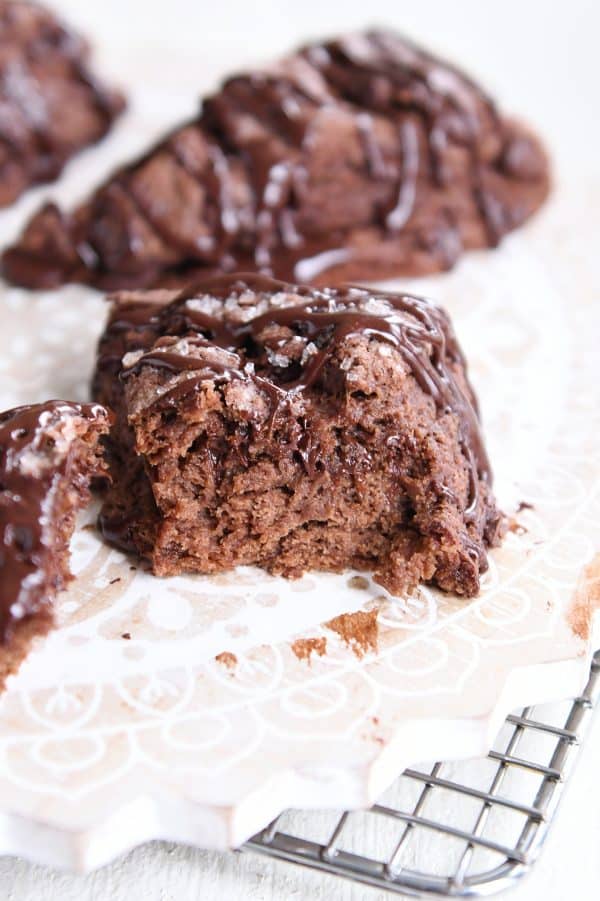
<point>136,321</point>
<point>249,184</point>
<point>418,330</point>
<point>32,468</point>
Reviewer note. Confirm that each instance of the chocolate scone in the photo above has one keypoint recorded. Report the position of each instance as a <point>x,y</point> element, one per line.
<point>51,105</point>
<point>265,423</point>
<point>360,158</point>
<point>49,454</point>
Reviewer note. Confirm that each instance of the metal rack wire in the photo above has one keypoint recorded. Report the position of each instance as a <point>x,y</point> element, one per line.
<point>489,817</point>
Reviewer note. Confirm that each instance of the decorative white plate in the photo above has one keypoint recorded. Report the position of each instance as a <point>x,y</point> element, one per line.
<point>124,726</point>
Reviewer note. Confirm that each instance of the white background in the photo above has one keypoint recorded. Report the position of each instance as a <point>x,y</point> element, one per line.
<point>541,60</point>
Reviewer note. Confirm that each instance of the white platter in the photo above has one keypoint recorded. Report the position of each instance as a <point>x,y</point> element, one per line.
<point>107,741</point>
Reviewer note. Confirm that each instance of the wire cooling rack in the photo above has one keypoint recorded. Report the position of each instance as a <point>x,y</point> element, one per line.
<point>459,829</point>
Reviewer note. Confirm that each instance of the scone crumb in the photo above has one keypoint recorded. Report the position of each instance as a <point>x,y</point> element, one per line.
<point>227,659</point>
<point>358,630</point>
<point>304,647</point>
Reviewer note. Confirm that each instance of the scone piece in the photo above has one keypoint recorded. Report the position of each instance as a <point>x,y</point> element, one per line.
<point>49,454</point>
<point>363,157</point>
<point>133,325</point>
<point>51,105</point>
<point>300,429</point>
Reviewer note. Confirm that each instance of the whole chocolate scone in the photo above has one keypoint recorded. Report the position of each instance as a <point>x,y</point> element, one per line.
<point>49,453</point>
<point>360,158</point>
<point>292,428</point>
<point>51,105</point>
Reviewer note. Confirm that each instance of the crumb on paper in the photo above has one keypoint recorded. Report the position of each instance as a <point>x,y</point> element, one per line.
<point>304,647</point>
<point>358,630</point>
<point>358,582</point>
<point>126,636</point>
<point>115,580</point>
<point>524,505</point>
<point>586,601</point>
<point>515,527</point>
<point>227,659</point>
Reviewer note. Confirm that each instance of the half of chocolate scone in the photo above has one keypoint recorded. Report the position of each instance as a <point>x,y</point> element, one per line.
<point>49,454</point>
<point>292,428</point>
<point>51,106</point>
<point>359,158</point>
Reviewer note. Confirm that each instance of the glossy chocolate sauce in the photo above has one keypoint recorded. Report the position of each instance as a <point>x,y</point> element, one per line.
<point>259,154</point>
<point>419,331</point>
<point>37,448</point>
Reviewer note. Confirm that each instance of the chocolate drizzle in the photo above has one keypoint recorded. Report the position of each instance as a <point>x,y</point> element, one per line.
<point>419,331</point>
<point>38,448</point>
<point>285,168</point>
<point>292,428</point>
